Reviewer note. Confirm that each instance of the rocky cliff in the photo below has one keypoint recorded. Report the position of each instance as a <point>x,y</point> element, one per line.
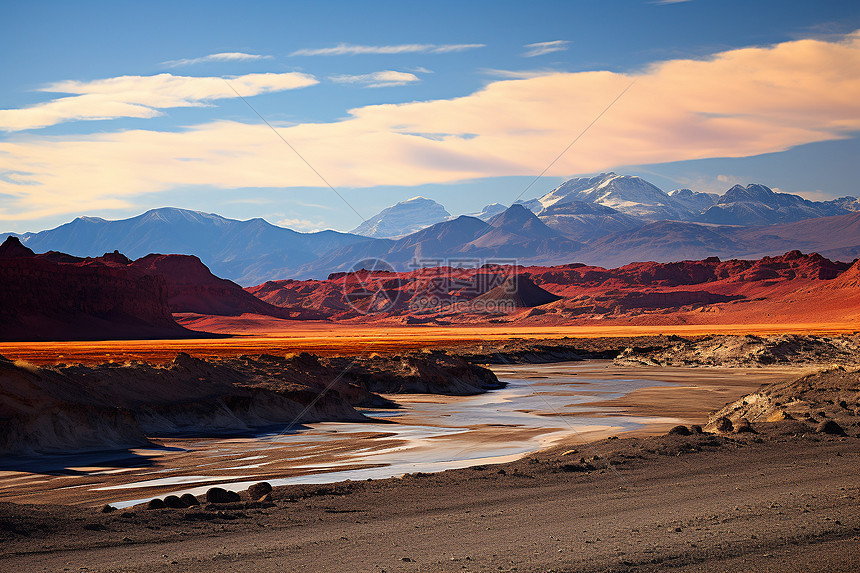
<point>42,298</point>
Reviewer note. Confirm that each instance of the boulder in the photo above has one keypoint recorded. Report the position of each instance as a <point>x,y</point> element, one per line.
<point>174,502</point>
<point>830,427</point>
<point>680,431</point>
<point>743,425</point>
<point>189,499</point>
<point>258,490</point>
<point>221,495</point>
<point>723,424</point>
<point>156,503</point>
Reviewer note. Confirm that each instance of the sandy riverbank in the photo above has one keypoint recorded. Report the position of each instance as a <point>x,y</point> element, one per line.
<point>429,427</point>
<point>780,498</point>
<point>772,501</point>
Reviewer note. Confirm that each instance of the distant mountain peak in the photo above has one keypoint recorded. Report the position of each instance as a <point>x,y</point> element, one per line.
<point>627,194</point>
<point>489,211</point>
<point>403,218</point>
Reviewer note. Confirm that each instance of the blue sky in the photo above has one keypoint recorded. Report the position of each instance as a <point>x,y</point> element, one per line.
<point>112,108</point>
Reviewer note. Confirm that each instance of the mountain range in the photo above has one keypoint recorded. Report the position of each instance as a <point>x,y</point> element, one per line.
<point>248,252</point>
<point>606,220</point>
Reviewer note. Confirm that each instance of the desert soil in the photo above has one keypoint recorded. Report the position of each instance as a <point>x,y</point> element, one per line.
<point>782,498</point>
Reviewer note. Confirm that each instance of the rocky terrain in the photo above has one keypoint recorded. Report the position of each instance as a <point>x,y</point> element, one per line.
<point>57,297</point>
<point>66,408</point>
<point>773,496</point>
<point>749,351</point>
<point>794,287</point>
<point>191,287</point>
<point>828,400</point>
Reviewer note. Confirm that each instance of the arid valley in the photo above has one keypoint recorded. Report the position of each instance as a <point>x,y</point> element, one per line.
<point>397,287</point>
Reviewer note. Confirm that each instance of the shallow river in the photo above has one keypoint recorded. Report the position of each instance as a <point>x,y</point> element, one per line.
<point>540,405</point>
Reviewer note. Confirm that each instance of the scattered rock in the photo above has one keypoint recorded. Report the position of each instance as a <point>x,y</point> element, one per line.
<point>189,499</point>
<point>108,508</point>
<point>221,495</point>
<point>696,429</point>
<point>830,427</point>
<point>258,490</point>
<point>680,431</point>
<point>174,502</point>
<point>156,503</point>
<point>580,467</point>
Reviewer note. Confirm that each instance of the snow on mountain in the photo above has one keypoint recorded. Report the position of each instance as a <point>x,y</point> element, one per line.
<point>758,204</point>
<point>625,193</point>
<point>403,219</point>
<point>533,205</point>
<point>586,221</point>
<point>489,211</point>
<point>696,202</point>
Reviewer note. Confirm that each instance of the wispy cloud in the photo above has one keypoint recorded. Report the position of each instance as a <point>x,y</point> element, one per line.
<point>382,79</point>
<point>354,50</point>
<point>781,96</point>
<point>222,57</point>
<point>518,74</point>
<point>541,48</point>
<point>669,1</point>
<point>140,97</point>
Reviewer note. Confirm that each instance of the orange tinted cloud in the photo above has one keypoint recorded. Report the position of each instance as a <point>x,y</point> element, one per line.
<point>738,103</point>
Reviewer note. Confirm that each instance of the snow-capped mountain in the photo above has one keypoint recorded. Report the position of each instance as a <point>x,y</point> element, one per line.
<point>757,204</point>
<point>625,193</point>
<point>403,219</point>
<point>696,202</point>
<point>586,221</point>
<point>489,211</point>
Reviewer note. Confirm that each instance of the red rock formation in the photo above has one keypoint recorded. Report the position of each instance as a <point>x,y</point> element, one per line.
<point>191,287</point>
<point>41,299</point>
<point>771,289</point>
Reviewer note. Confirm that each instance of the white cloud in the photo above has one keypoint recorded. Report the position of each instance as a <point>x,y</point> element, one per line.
<point>382,79</point>
<point>738,103</point>
<point>353,49</point>
<point>541,48</point>
<point>669,1</point>
<point>141,97</point>
<point>305,225</point>
<point>222,57</point>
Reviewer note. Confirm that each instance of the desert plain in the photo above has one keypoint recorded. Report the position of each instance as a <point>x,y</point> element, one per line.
<point>780,495</point>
